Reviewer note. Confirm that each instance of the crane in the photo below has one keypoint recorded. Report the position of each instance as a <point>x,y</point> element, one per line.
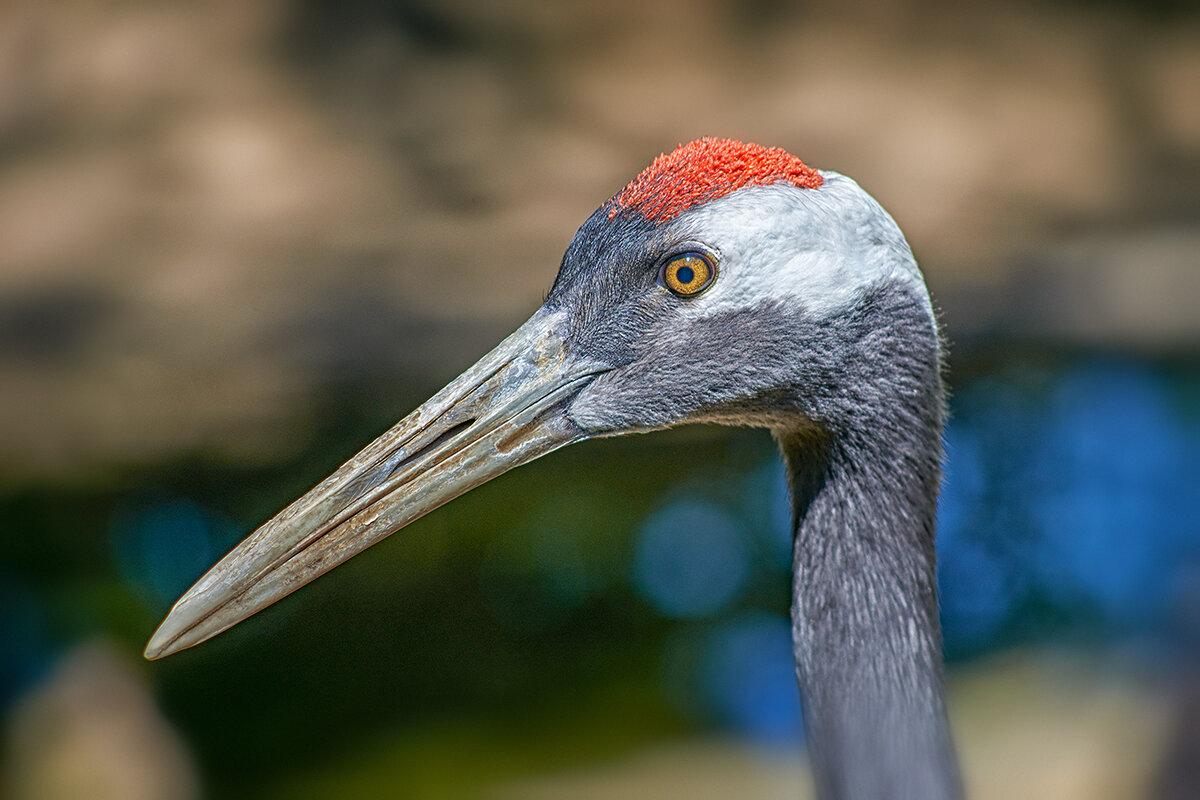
<point>728,283</point>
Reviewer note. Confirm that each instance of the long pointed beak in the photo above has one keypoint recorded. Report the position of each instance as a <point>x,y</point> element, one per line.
<point>506,410</point>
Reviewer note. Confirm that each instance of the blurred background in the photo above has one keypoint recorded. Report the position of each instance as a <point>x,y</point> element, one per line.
<point>239,240</point>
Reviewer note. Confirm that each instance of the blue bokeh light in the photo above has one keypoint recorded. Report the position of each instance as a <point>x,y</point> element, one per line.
<point>161,547</point>
<point>1068,496</point>
<point>738,673</point>
<point>691,559</point>
<point>978,591</point>
<point>748,675</point>
<point>1112,511</point>
<point>767,505</point>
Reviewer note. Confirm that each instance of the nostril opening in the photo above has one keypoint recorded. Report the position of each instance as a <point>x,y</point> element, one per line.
<point>448,434</point>
<point>431,445</point>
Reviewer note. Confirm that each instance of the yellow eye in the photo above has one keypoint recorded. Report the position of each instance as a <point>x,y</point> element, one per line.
<point>688,274</point>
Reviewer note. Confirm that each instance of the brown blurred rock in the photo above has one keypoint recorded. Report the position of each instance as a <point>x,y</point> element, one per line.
<point>92,732</point>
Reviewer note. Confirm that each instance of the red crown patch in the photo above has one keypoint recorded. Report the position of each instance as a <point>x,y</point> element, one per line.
<point>704,170</point>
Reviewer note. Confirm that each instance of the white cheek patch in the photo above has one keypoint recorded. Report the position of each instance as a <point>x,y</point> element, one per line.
<point>819,249</point>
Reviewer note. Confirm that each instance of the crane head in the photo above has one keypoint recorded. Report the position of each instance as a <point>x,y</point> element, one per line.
<point>713,288</point>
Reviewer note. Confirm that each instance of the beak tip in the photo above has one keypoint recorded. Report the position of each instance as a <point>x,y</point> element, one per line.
<point>176,632</point>
<point>162,643</point>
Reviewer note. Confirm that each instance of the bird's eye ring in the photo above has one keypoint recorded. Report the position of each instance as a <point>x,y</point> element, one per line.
<point>688,274</point>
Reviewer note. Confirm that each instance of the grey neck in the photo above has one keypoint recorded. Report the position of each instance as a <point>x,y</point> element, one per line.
<point>864,462</point>
<point>864,611</point>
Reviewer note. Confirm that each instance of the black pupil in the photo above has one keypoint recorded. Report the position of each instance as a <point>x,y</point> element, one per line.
<point>685,275</point>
